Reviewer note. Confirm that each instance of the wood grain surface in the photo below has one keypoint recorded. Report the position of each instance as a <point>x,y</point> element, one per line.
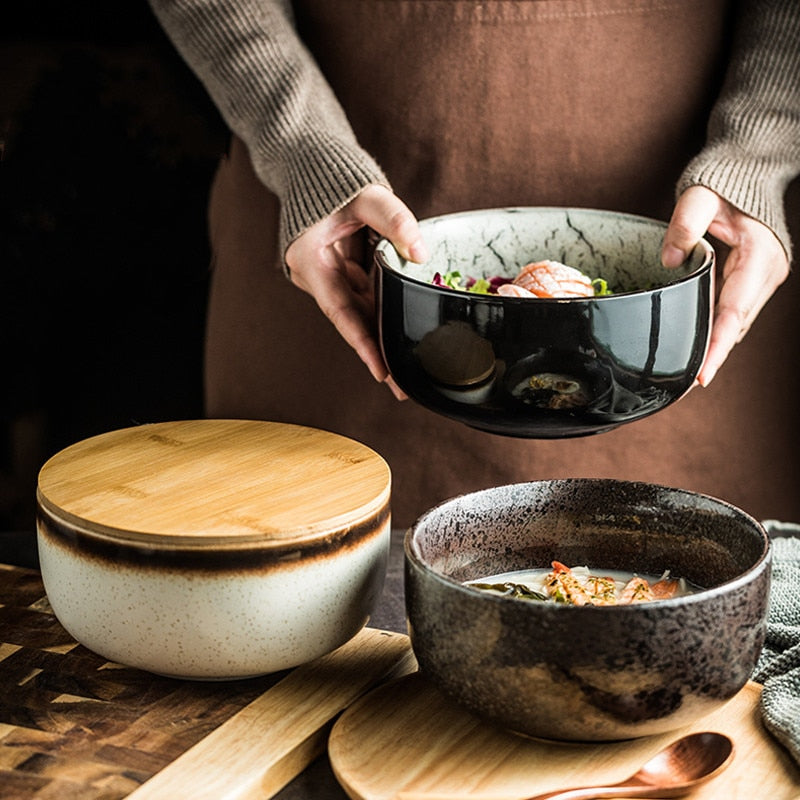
<point>73,725</point>
<point>428,749</point>
<point>215,479</point>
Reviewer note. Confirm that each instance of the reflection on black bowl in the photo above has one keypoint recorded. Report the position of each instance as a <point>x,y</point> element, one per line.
<point>558,381</point>
<point>545,368</point>
<point>460,364</point>
<point>566,382</point>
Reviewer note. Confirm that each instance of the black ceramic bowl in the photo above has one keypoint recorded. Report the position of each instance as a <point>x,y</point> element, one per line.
<point>545,368</point>
<point>587,673</point>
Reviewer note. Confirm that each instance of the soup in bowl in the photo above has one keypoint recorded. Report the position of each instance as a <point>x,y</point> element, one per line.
<point>587,672</point>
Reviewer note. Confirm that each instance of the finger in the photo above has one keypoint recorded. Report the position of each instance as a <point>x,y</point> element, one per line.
<point>694,212</point>
<point>350,321</point>
<point>396,390</point>
<point>364,286</point>
<point>744,293</point>
<point>389,216</point>
<point>361,282</point>
<point>724,337</point>
<point>349,313</point>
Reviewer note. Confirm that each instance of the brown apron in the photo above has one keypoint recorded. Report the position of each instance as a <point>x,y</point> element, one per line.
<point>470,104</point>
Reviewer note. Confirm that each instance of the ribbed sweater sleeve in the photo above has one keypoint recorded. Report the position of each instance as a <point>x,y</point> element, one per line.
<point>753,143</point>
<point>272,95</point>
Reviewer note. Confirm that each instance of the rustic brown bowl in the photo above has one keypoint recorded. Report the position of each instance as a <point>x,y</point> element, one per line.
<point>587,673</point>
<point>214,549</point>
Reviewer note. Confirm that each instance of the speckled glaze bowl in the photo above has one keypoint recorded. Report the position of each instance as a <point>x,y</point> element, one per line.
<point>214,549</point>
<point>545,368</point>
<point>587,673</point>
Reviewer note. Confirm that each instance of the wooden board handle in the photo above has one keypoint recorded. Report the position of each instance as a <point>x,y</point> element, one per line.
<point>270,741</point>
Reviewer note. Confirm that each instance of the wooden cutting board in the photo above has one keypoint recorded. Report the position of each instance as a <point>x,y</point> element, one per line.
<point>427,749</point>
<point>73,725</point>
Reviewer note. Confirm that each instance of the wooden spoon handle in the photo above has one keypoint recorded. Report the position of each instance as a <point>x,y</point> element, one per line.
<point>590,793</point>
<point>578,793</point>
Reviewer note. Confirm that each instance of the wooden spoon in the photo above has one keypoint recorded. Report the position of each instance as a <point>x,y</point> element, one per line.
<point>673,772</point>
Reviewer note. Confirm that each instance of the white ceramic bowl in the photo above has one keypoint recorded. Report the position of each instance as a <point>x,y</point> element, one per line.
<point>214,549</point>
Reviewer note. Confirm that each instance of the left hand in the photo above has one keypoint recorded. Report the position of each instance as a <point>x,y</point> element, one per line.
<point>754,268</point>
<point>325,262</point>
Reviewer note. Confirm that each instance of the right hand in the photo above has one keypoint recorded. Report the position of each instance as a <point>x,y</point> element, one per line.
<point>754,268</point>
<point>326,262</point>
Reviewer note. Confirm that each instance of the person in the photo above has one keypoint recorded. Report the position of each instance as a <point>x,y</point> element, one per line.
<point>350,115</point>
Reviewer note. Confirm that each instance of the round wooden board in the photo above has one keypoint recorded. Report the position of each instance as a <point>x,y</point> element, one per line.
<point>406,741</point>
<point>216,479</point>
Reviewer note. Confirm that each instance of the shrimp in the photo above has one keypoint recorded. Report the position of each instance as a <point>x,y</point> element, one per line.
<point>602,591</point>
<point>664,588</point>
<point>637,590</point>
<point>564,587</point>
<point>514,290</point>
<point>554,279</point>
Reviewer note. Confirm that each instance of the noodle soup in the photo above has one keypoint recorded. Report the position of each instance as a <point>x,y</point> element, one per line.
<point>584,586</point>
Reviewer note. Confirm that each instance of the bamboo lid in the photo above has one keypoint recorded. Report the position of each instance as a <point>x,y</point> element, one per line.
<point>224,480</point>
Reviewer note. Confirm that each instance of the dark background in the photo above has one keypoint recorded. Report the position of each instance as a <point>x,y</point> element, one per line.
<point>107,149</point>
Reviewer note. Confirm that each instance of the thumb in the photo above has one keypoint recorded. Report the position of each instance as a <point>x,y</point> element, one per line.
<point>389,216</point>
<point>694,212</point>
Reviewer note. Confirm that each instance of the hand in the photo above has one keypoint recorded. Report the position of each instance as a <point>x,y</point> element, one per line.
<point>755,267</point>
<point>325,261</point>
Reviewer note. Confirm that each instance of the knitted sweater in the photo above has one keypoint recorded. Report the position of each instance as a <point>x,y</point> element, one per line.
<point>272,95</point>
<point>752,152</point>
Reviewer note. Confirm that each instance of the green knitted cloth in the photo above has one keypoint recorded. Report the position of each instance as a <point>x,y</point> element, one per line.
<point>778,669</point>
